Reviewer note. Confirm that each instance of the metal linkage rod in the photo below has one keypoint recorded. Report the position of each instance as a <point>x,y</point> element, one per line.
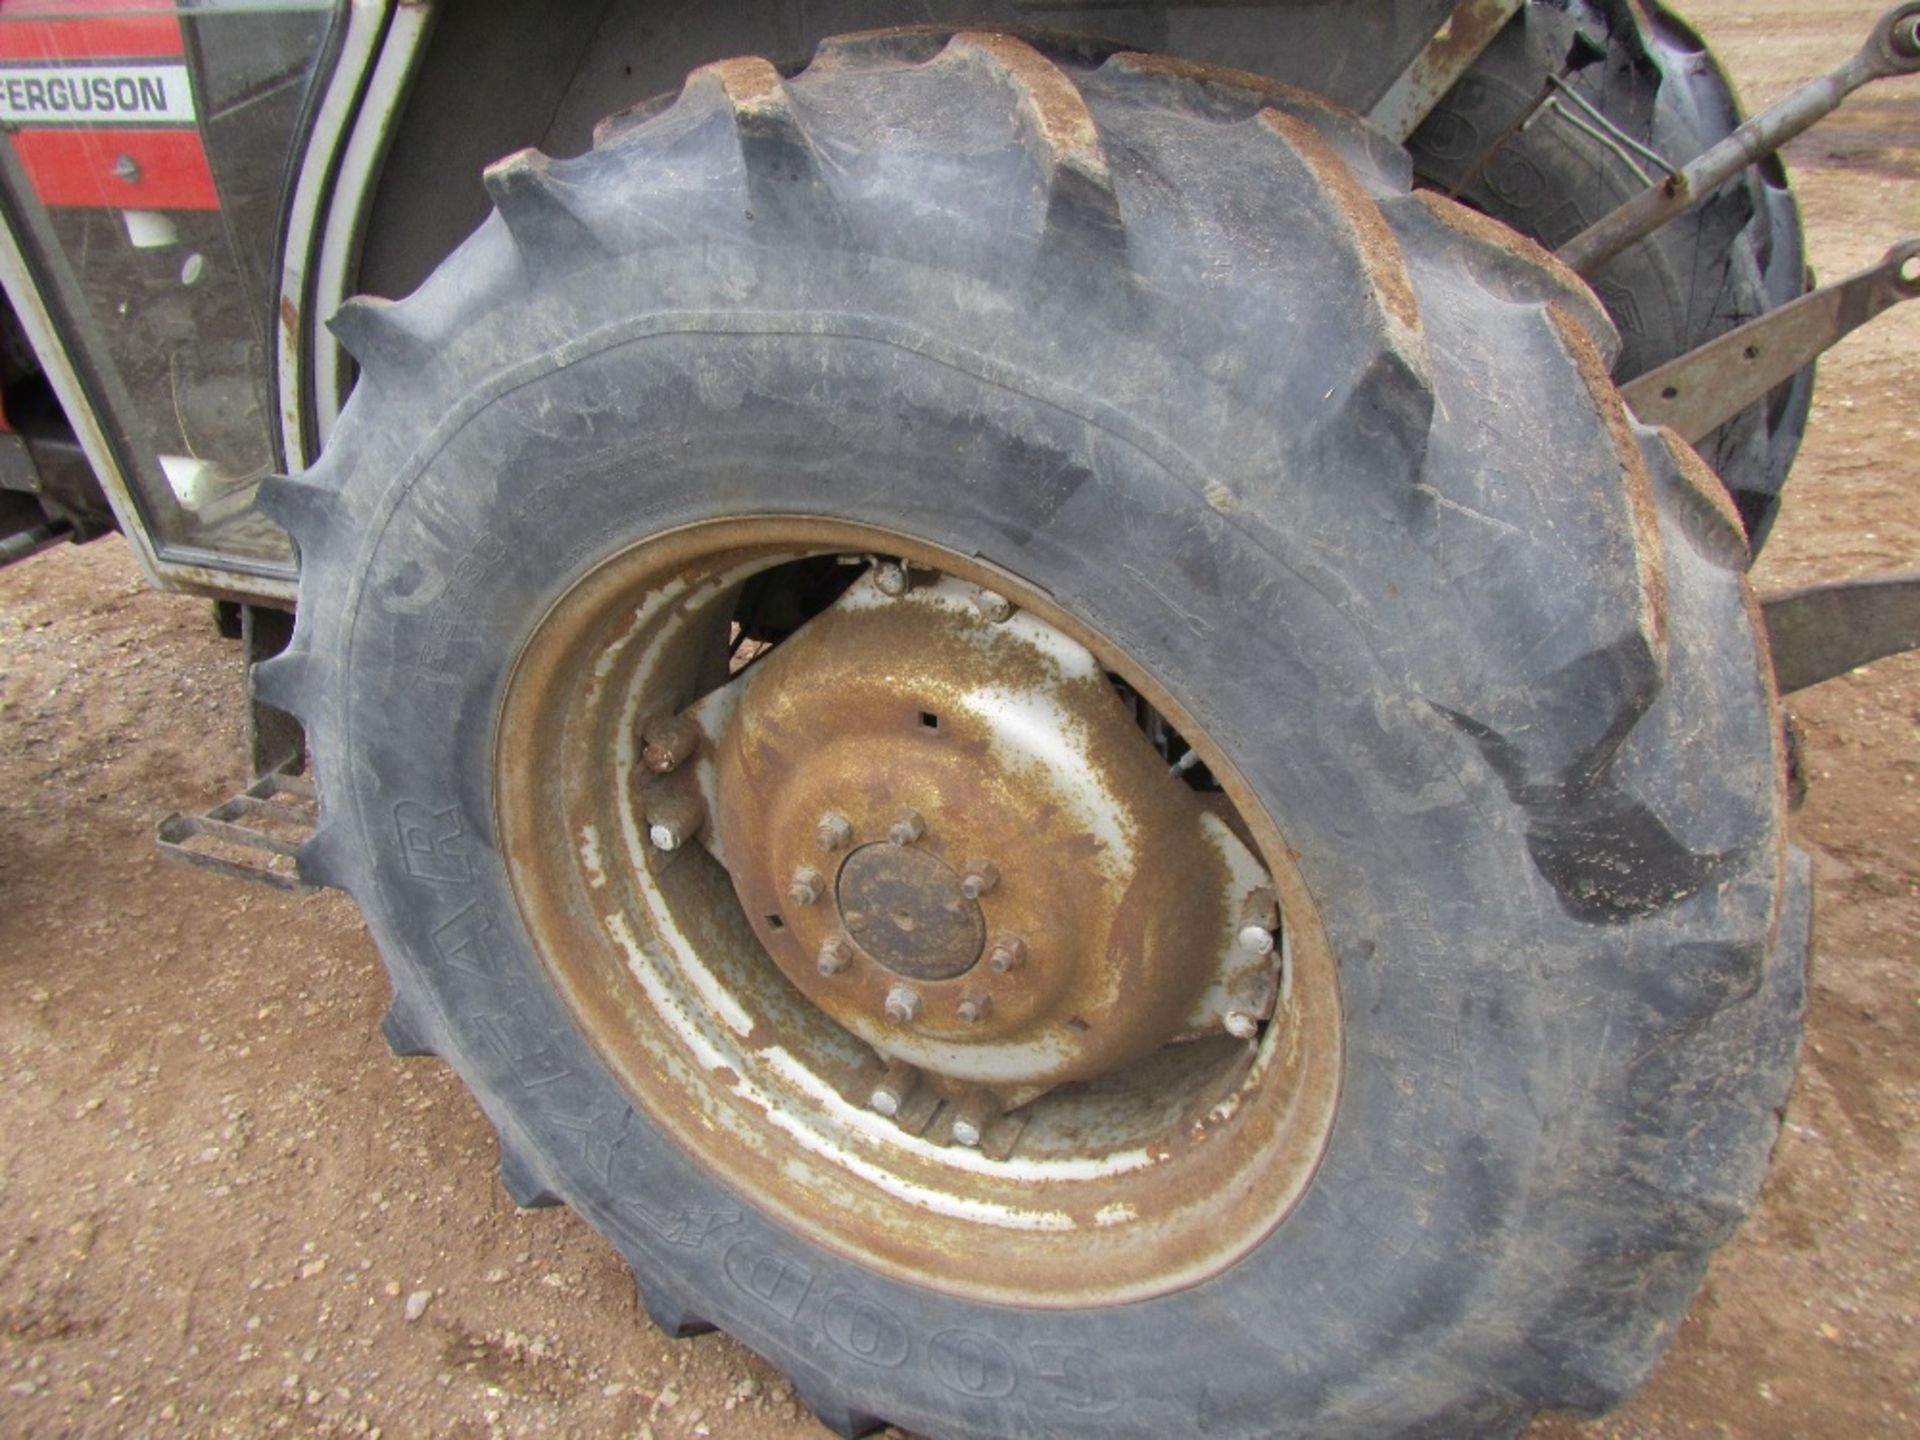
<point>1697,392</point>
<point>1447,56</point>
<point>1892,49</point>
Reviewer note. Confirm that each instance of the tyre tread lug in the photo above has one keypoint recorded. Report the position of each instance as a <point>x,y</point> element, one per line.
<point>403,1031</point>
<point>376,333</point>
<point>1059,132</point>
<point>523,1181</point>
<point>526,189</point>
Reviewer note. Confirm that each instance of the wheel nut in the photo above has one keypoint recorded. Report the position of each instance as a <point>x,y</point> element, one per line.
<point>667,742</point>
<point>835,955</point>
<point>978,878</point>
<point>973,1008</point>
<point>891,578</point>
<point>893,1089</point>
<point>1009,953</point>
<point>1257,939</point>
<point>995,608</point>
<point>835,832</point>
<point>908,828</point>
<point>806,885</point>
<point>970,1121</point>
<point>903,1005</point>
<point>673,819</point>
<point>1240,1025</point>
<point>1259,918</point>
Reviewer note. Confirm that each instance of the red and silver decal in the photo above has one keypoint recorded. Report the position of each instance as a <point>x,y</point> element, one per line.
<point>98,101</point>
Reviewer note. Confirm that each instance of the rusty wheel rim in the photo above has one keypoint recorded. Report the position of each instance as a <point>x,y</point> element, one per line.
<point>1147,1177</point>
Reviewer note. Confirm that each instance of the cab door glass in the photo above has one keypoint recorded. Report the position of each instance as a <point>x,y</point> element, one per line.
<point>161,142</point>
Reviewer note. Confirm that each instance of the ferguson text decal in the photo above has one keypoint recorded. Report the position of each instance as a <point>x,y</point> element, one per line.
<point>95,95</point>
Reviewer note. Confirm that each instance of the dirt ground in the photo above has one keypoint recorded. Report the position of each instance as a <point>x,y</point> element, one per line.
<point>229,1211</point>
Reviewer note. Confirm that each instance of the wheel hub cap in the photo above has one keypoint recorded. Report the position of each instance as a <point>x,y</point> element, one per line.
<point>904,908</point>
<point>950,834</point>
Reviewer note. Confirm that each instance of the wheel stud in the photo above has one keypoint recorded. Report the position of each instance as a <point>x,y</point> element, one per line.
<point>892,579</point>
<point>903,1005</point>
<point>994,607</point>
<point>973,1008</point>
<point>1240,1025</point>
<point>1257,939</point>
<point>908,828</point>
<point>978,878</point>
<point>806,885</point>
<point>835,955</point>
<point>835,832</point>
<point>970,1121</point>
<point>1009,953</point>
<point>893,1089</point>
<point>667,742</point>
<point>1259,918</point>
<point>672,820</point>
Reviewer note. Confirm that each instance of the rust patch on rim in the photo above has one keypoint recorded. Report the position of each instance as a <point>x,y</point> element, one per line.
<point>1150,1178</point>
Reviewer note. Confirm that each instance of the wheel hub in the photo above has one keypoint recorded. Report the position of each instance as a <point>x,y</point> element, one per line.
<point>950,834</point>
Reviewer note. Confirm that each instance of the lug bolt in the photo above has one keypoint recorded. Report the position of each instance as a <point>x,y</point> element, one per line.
<point>674,819</point>
<point>1259,918</point>
<point>835,955</point>
<point>806,885</point>
<point>978,878</point>
<point>903,1005</point>
<point>908,828</point>
<point>973,1008</point>
<point>891,578</point>
<point>970,1121</point>
<point>1257,939</point>
<point>835,832</point>
<point>994,607</point>
<point>1009,953</point>
<point>667,742</point>
<point>1240,1025</point>
<point>893,1089</point>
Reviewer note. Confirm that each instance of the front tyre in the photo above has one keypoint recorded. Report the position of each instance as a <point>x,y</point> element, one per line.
<point>1107,469</point>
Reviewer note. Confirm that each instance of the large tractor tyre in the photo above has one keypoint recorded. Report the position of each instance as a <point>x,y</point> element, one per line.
<point>1517,147</point>
<point>1056,751</point>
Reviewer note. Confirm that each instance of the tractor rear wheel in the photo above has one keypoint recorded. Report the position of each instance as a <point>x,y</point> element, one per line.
<point>1058,753</point>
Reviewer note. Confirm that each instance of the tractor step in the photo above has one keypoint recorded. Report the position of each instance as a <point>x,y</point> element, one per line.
<point>254,836</point>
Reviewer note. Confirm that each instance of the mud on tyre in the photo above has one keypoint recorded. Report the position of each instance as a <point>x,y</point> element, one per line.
<point>1327,479</point>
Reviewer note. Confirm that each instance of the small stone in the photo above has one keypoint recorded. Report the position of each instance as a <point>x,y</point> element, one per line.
<point>417,1304</point>
<point>312,1269</point>
<point>393,1289</point>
